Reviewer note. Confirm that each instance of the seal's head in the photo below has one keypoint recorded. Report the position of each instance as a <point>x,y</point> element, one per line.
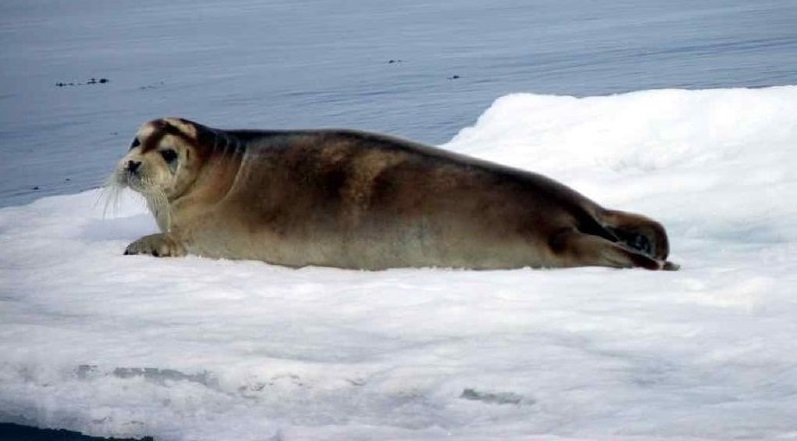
<point>162,160</point>
<point>162,163</point>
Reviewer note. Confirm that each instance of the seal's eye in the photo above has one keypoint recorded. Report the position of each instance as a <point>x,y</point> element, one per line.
<point>169,155</point>
<point>135,143</point>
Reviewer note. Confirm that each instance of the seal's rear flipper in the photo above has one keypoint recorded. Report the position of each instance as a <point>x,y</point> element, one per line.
<point>575,248</point>
<point>637,232</point>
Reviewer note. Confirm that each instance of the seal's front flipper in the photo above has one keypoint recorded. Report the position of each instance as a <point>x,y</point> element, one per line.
<point>158,245</point>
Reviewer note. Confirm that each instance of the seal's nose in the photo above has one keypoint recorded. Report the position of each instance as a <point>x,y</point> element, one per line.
<point>132,166</point>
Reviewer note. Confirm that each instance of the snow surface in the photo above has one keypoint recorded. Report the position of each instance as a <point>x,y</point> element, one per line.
<point>203,349</point>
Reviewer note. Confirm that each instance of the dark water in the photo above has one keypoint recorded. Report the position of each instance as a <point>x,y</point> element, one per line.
<point>16,432</point>
<point>282,63</point>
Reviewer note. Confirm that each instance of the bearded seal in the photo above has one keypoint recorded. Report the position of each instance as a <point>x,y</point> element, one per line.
<point>359,200</point>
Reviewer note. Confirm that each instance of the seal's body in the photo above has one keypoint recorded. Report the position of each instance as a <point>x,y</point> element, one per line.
<point>360,200</point>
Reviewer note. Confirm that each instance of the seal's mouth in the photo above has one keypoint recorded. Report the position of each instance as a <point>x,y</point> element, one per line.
<point>129,175</point>
<point>132,180</point>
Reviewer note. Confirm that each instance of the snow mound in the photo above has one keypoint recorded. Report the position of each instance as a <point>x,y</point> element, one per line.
<point>204,349</point>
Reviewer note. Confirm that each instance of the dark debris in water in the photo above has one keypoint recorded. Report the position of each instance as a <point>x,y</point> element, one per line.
<point>90,82</point>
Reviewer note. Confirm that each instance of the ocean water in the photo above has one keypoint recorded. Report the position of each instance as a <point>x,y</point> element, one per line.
<point>418,69</point>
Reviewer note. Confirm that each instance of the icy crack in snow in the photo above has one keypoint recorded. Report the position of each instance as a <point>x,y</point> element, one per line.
<point>494,397</point>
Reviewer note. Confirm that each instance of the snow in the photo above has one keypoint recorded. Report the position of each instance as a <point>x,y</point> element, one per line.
<point>204,349</point>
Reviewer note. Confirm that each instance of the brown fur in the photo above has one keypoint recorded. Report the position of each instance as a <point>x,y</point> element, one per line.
<point>361,200</point>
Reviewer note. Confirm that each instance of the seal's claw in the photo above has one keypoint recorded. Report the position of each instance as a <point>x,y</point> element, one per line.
<point>158,245</point>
